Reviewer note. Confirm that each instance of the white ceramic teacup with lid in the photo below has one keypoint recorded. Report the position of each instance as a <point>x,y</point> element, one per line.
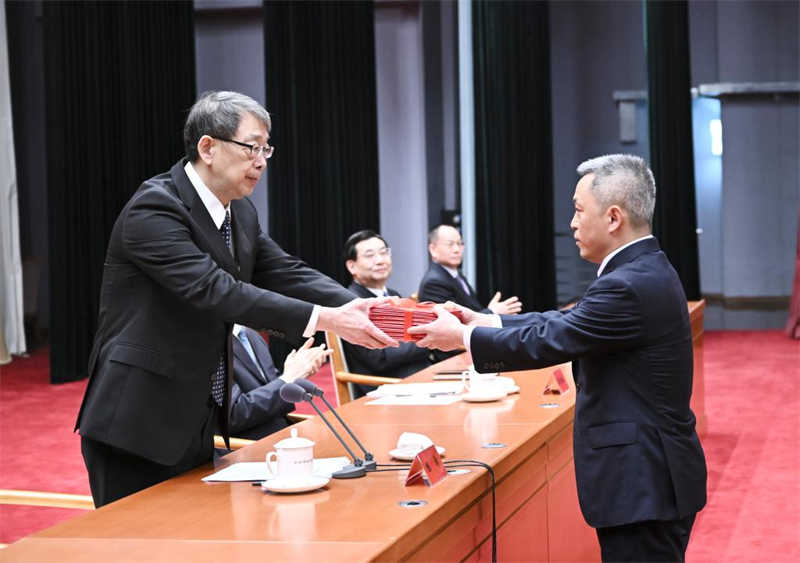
<point>294,458</point>
<point>479,383</point>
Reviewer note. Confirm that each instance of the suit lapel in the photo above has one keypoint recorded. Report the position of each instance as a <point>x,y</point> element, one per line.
<point>456,285</point>
<point>241,241</point>
<point>245,360</point>
<point>631,253</point>
<point>206,227</point>
<point>360,290</point>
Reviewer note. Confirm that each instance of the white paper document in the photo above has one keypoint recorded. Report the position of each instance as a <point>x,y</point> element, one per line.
<point>257,470</point>
<point>435,388</point>
<point>416,400</point>
<point>414,394</point>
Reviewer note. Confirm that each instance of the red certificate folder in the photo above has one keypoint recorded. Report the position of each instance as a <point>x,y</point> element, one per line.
<point>399,314</point>
<point>427,467</point>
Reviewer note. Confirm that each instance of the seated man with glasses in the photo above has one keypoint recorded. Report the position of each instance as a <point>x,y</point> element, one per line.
<point>369,260</point>
<point>443,282</point>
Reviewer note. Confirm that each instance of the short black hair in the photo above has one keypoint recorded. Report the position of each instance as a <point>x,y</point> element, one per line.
<point>350,245</point>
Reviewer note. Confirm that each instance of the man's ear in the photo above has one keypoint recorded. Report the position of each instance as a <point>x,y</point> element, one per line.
<point>351,267</point>
<point>206,147</point>
<point>615,217</point>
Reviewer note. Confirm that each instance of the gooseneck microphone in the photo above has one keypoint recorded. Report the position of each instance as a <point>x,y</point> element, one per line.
<point>311,389</point>
<point>293,393</point>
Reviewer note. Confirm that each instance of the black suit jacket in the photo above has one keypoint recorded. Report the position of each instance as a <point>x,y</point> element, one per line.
<point>170,294</point>
<point>439,286</point>
<point>257,409</point>
<point>397,362</point>
<point>637,455</point>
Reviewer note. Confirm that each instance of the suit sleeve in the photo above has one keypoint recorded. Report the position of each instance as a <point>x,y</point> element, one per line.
<point>379,362</point>
<point>157,238</point>
<point>607,319</point>
<point>435,290</point>
<point>262,403</point>
<point>278,271</point>
<point>257,406</point>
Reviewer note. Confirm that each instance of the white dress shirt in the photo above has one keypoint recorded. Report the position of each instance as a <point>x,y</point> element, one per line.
<point>217,212</point>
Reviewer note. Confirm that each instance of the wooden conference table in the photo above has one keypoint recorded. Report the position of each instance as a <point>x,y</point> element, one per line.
<point>538,517</point>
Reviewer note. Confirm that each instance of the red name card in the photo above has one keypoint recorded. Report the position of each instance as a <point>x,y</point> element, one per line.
<point>557,384</point>
<point>426,467</point>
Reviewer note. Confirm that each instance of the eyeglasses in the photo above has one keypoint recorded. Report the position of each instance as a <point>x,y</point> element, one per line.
<point>452,243</point>
<point>384,252</point>
<point>255,150</point>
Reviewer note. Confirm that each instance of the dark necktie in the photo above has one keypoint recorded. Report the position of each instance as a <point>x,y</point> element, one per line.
<point>218,378</point>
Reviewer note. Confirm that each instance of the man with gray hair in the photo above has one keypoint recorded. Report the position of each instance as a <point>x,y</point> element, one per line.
<point>639,466</point>
<point>185,261</point>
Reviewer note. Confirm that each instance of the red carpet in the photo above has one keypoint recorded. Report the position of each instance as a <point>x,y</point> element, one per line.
<point>39,451</point>
<point>753,409</point>
<point>752,450</point>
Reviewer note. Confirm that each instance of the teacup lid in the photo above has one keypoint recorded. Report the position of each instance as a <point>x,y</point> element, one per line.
<point>294,441</point>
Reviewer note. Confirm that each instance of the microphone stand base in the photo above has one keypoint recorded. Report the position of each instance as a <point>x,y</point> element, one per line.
<point>350,472</point>
<point>370,465</point>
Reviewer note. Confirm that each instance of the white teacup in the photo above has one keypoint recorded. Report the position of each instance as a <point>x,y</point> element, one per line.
<point>479,383</point>
<point>293,459</point>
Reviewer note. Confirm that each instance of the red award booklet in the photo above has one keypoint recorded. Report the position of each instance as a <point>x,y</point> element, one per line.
<point>399,314</point>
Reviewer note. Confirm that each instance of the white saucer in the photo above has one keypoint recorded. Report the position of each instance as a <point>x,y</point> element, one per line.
<point>408,454</point>
<point>279,485</point>
<point>511,389</point>
<point>494,395</point>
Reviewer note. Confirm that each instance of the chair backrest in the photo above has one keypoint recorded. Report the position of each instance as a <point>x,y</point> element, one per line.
<point>46,498</point>
<point>344,391</point>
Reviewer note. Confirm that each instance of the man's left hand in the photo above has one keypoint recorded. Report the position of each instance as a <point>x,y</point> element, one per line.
<point>445,333</point>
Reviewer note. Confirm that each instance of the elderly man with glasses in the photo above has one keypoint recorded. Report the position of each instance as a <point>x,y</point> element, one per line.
<point>186,261</point>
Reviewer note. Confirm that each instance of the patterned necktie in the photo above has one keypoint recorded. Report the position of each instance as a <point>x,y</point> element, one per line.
<point>219,377</point>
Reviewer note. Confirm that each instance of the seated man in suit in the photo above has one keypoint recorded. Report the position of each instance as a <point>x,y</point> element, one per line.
<point>443,282</point>
<point>369,260</point>
<point>639,465</point>
<point>256,406</point>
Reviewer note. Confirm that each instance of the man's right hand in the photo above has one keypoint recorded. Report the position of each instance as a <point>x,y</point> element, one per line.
<point>470,317</point>
<point>351,322</point>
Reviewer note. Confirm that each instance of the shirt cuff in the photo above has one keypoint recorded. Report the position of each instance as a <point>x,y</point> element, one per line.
<point>311,327</point>
<point>497,322</point>
<point>467,334</point>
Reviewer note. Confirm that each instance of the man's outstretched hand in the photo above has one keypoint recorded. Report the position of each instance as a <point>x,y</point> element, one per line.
<point>351,322</point>
<point>445,333</point>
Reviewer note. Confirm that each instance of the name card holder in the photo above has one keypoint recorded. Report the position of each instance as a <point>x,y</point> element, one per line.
<point>557,384</point>
<point>427,467</point>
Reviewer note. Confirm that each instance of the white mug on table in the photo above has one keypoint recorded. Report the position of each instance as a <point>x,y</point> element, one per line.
<point>478,383</point>
<point>293,458</point>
